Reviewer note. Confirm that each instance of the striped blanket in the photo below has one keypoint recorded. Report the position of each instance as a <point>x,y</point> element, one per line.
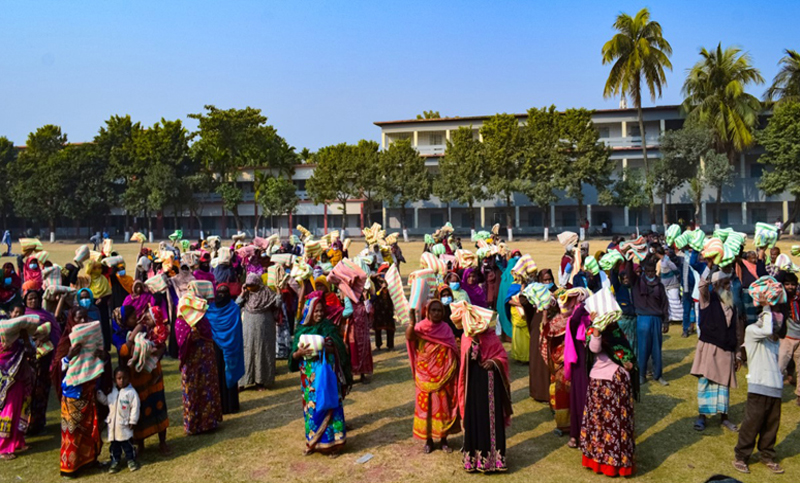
<point>143,358</point>
<point>422,282</point>
<point>192,308</point>
<point>85,366</point>
<point>395,285</point>
<point>349,278</point>
<point>11,328</point>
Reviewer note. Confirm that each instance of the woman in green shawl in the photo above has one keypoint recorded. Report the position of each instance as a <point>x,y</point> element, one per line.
<point>503,314</point>
<point>325,433</point>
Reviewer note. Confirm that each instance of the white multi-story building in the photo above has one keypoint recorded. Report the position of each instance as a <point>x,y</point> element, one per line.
<point>742,205</point>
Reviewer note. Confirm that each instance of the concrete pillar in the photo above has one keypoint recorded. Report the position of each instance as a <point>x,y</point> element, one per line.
<point>744,212</point>
<point>626,216</point>
<point>447,134</point>
<point>416,139</point>
<point>416,217</point>
<point>383,140</point>
<point>624,166</point>
<point>663,126</point>
<point>703,219</point>
<point>480,136</point>
<point>742,166</point>
<point>516,216</point>
<point>385,222</point>
<point>624,129</point>
<point>483,216</point>
<point>785,211</point>
<point>589,214</point>
<point>449,213</point>
<point>553,216</point>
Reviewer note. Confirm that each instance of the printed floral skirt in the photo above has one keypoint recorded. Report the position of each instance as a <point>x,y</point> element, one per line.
<point>324,433</point>
<point>607,436</point>
<point>202,407</point>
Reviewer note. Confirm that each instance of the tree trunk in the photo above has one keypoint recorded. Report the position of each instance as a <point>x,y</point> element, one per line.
<point>174,217</point>
<point>52,225</point>
<point>344,216</point>
<point>644,161</point>
<point>664,209</point>
<point>471,215</point>
<point>792,214</point>
<point>149,223</point>
<point>447,212</point>
<point>581,215</point>
<point>237,219</point>
<point>718,204</point>
<point>403,217</point>
<point>509,221</point>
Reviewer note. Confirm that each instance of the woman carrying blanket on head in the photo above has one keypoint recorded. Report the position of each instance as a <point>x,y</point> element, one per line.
<point>17,379</point>
<point>433,354</point>
<point>325,431</point>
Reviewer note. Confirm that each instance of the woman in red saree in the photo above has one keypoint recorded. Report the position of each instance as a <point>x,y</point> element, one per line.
<point>433,354</point>
<point>554,330</point>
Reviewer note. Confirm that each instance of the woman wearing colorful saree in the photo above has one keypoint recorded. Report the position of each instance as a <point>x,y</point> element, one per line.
<point>433,354</point>
<point>80,432</point>
<point>202,406</point>
<point>16,381</point>
<point>41,365</point>
<point>154,418</point>
<point>325,433</point>
<point>554,329</point>
<point>484,395</point>
<point>139,298</point>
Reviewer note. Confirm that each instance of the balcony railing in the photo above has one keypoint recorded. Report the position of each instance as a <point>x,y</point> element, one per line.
<point>630,141</point>
<point>436,149</point>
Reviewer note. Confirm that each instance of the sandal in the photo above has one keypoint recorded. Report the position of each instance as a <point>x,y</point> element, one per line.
<point>427,449</point>
<point>741,466</point>
<point>774,467</point>
<point>572,443</point>
<point>8,456</point>
<point>447,449</point>
<point>727,424</point>
<point>700,424</point>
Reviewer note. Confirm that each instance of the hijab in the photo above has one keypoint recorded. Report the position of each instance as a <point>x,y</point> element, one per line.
<point>7,293</point>
<point>140,302</point>
<point>98,282</point>
<point>477,296</point>
<point>262,300</point>
<point>225,318</point>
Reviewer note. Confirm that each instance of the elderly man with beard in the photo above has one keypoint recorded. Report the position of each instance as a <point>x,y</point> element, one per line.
<point>715,361</point>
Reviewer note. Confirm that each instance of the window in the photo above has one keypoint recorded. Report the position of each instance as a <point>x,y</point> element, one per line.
<point>303,220</point>
<point>569,218</point>
<point>535,218</point>
<point>756,170</point>
<point>633,131</point>
<point>436,139</point>
<point>465,220</point>
<point>604,132</point>
<point>723,216</point>
<point>300,184</point>
<point>403,135</point>
<point>437,220</point>
<point>758,214</point>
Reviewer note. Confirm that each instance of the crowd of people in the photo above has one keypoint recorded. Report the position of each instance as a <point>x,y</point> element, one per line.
<point>590,331</point>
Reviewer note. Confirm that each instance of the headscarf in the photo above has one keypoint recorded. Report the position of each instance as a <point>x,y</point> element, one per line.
<point>584,321</point>
<point>62,349</point>
<point>119,330</point>
<point>33,278</point>
<point>506,281</point>
<point>139,302</point>
<point>262,300</point>
<point>92,310</point>
<point>617,347</point>
<point>45,316</point>
<point>226,326</point>
<point>477,296</point>
<point>98,282</point>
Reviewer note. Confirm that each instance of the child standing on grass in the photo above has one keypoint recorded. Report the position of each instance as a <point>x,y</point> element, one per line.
<point>762,414</point>
<point>123,404</point>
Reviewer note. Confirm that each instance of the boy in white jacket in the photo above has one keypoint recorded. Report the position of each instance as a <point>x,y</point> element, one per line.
<point>762,414</point>
<point>123,405</point>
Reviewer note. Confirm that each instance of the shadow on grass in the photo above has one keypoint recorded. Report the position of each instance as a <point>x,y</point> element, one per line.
<point>657,448</point>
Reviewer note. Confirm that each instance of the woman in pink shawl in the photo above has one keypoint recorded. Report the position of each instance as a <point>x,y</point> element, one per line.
<point>575,361</point>
<point>471,283</point>
<point>139,298</point>
<point>41,365</point>
<point>433,354</point>
<point>32,274</point>
<point>484,396</point>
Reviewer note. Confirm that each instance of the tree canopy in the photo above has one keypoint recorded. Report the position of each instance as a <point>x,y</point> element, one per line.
<point>786,84</point>
<point>462,175</point>
<point>782,154</point>
<point>503,145</point>
<point>336,176</point>
<point>404,177</point>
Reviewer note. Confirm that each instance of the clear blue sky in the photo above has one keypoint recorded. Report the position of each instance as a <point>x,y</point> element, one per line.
<point>323,72</point>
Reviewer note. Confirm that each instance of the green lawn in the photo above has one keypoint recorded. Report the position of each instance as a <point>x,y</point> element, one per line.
<point>264,442</point>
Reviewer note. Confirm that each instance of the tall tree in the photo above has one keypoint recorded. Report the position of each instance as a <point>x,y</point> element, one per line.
<point>782,154</point>
<point>42,183</point>
<point>115,143</point>
<point>683,151</point>
<point>716,98</point>
<point>429,115</point>
<point>786,84</point>
<point>8,156</point>
<point>230,140</point>
<point>367,155</point>
<point>588,161</point>
<point>627,190</point>
<point>462,172</point>
<point>639,54</point>
<point>718,172</point>
<point>92,193</point>
<point>276,195</point>
<point>335,176</point>
<point>404,177</point>
<point>544,157</point>
<point>503,145</point>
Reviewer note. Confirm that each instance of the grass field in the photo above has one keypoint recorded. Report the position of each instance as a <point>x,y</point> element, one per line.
<point>265,440</point>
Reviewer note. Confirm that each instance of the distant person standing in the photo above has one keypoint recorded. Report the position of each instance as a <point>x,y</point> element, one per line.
<point>96,240</point>
<point>7,241</point>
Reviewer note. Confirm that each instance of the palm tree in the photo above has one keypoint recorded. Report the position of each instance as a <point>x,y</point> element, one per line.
<point>715,96</point>
<point>639,53</point>
<point>786,84</point>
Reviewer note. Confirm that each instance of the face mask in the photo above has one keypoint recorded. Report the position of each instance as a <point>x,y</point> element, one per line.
<point>85,303</point>
<point>8,281</point>
<point>650,279</point>
<point>550,285</point>
<point>455,285</point>
<point>121,273</point>
<point>33,266</point>
<point>447,300</point>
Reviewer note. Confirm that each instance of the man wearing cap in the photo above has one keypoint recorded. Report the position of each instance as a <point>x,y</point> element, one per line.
<point>652,308</point>
<point>715,361</point>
